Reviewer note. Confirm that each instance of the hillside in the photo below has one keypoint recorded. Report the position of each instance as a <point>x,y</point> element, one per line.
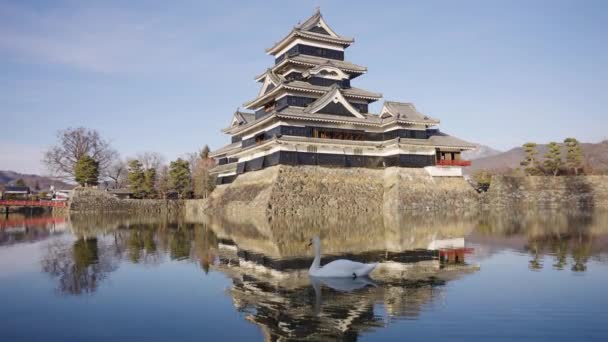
<point>596,155</point>
<point>481,151</point>
<point>44,182</point>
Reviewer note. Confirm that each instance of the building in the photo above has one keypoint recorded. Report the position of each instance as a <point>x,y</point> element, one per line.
<point>15,192</point>
<point>308,112</point>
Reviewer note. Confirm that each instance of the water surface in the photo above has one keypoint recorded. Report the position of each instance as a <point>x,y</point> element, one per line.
<point>525,276</point>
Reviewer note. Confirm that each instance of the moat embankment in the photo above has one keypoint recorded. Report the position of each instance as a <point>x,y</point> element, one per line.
<point>545,192</point>
<point>92,200</point>
<point>286,191</point>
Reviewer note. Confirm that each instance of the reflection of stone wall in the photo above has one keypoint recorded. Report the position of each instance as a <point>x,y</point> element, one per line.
<point>308,190</point>
<point>93,200</point>
<point>548,192</point>
<point>279,238</point>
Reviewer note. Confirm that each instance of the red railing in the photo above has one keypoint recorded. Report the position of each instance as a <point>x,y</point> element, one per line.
<point>31,222</point>
<point>24,203</point>
<point>453,163</point>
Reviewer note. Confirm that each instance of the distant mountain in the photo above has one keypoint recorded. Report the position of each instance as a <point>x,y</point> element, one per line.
<point>482,151</point>
<point>9,177</point>
<point>596,156</point>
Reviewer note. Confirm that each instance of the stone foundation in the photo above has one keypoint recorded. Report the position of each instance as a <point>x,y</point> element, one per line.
<point>542,192</point>
<point>93,200</point>
<point>312,190</point>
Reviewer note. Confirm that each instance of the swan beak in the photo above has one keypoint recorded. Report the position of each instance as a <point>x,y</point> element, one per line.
<point>310,244</point>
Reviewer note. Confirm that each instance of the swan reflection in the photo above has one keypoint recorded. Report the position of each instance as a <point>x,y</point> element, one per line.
<point>267,261</point>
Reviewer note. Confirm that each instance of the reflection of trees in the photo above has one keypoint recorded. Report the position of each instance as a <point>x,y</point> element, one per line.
<point>136,245</point>
<point>80,268</point>
<point>205,246</point>
<point>558,233</point>
<point>180,242</point>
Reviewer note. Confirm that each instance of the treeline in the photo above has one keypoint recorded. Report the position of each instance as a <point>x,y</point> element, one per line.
<point>83,156</point>
<point>560,159</point>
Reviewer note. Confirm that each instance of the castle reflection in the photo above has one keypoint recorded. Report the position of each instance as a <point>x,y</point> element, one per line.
<point>267,260</point>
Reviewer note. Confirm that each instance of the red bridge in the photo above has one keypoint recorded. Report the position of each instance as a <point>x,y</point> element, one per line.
<point>24,203</point>
<point>36,222</point>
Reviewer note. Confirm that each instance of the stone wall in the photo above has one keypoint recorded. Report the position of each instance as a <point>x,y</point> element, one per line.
<point>93,200</point>
<point>568,192</point>
<point>311,190</point>
<point>414,189</point>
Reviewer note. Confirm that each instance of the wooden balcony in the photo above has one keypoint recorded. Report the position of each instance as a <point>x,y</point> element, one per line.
<point>453,163</point>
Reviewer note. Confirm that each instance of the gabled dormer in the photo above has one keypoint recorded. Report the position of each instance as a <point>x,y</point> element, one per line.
<point>269,80</point>
<point>317,24</point>
<point>241,118</point>
<point>333,103</point>
<point>313,37</point>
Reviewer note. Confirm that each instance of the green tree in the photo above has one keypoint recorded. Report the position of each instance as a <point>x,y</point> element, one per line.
<point>574,155</point>
<point>483,179</point>
<point>553,158</point>
<point>179,177</point>
<point>530,163</point>
<point>205,152</point>
<point>20,182</point>
<point>150,183</point>
<point>86,171</point>
<point>202,182</point>
<point>136,178</point>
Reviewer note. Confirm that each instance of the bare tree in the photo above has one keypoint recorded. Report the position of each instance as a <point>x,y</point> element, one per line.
<point>151,160</point>
<point>74,143</point>
<point>162,183</point>
<point>117,172</point>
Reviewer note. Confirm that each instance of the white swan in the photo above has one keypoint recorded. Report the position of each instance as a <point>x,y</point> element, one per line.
<point>339,268</point>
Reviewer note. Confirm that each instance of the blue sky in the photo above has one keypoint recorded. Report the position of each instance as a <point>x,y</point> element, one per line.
<point>166,76</point>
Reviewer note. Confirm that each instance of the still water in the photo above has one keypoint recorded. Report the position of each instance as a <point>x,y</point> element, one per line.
<point>516,276</point>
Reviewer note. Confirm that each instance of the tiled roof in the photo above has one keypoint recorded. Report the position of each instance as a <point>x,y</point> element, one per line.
<point>227,148</point>
<point>354,92</point>
<point>311,88</point>
<point>444,139</point>
<point>406,111</point>
<point>313,61</point>
<point>244,117</point>
<point>304,30</point>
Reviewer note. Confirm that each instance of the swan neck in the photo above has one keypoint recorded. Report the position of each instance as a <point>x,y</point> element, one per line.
<point>316,263</point>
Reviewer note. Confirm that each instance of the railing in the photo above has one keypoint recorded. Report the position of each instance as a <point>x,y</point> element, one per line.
<point>31,222</point>
<point>24,203</point>
<point>453,163</point>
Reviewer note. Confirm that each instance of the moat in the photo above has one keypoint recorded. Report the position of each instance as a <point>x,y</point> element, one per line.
<point>526,276</point>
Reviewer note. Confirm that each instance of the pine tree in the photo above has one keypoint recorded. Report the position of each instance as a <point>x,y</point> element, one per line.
<point>202,182</point>
<point>205,152</point>
<point>86,171</point>
<point>530,163</point>
<point>136,178</point>
<point>149,186</point>
<point>179,177</point>
<point>574,155</point>
<point>553,158</point>
<point>20,182</point>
